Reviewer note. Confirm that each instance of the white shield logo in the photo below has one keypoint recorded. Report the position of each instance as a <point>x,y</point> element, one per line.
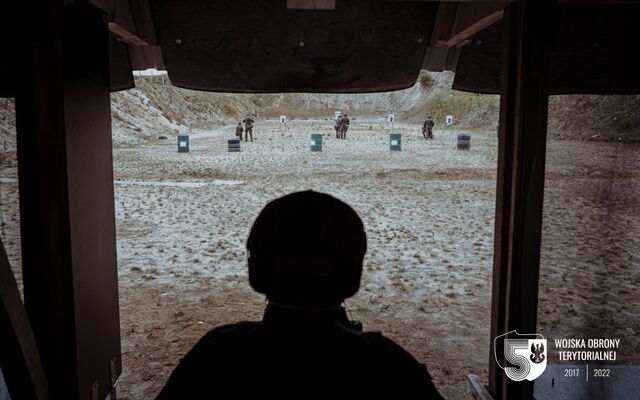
<point>525,355</point>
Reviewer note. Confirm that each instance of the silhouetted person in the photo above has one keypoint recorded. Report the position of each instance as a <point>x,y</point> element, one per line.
<point>336,126</point>
<point>344,126</point>
<point>305,254</point>
<point>248,128</point>
<point>427,128</point>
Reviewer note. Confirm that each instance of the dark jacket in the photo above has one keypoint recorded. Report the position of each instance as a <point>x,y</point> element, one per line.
<point>428,124</point>
<point>344,123</point>
<point>248,122</point>
<point>302,355</point>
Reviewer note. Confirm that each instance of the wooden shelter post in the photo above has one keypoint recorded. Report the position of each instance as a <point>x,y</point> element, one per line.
<point>19,358</point>
<point>66,196</point>
<point>529,32</point>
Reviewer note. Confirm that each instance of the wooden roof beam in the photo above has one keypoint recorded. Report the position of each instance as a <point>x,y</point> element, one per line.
<point>463,37</point>
<point>129,20</point>
<point>456,23</point>
<point>125,35</point>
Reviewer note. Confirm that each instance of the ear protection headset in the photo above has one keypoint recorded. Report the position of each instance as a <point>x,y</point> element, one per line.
<point>345,267</point>
<point>345,275</point>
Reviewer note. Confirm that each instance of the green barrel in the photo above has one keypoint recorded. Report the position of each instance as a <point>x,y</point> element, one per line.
<point>183,143</point>
<point>464,142</point>
<point>395,141</point>
<point>234,145</point>
<point>316,142</point>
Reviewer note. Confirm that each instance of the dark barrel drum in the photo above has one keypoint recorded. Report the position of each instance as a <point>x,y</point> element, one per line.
<point>183,143</point>
<point>464,142</point>
<point>234,145</point>
<point>395,141</point>
<point>316,142</point>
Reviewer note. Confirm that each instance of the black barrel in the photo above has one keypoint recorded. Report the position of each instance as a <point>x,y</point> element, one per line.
<point>234,145</point>
<point>316,142</point>
<point>464,142</point>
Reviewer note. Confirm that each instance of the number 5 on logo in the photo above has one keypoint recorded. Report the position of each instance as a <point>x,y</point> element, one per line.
<point>526,355</point>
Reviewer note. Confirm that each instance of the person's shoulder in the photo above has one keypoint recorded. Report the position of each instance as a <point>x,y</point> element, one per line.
<point>227,334</point>
<point>399,366</point>
<point>388,348</point>
<point>220,341</point>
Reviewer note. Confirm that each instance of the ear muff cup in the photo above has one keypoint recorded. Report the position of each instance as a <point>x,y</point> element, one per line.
<point>277,233</point>
<point>347,275</point>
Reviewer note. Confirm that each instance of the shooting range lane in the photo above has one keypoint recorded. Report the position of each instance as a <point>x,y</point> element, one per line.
<point>428,212</point>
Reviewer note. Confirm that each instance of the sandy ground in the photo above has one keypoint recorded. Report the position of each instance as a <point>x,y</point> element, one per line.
<point>182,222</point>
<point>590,255</point>
<point>428,212</point>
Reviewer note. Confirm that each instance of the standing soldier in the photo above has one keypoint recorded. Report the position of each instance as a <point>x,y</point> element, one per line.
<point>427,128</point>
<point>248,128</point>
<point>239,130</point>
<point>344,126</point>
<point>336,126</point>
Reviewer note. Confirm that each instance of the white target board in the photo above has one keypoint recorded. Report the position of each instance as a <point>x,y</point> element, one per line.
<point>391,118</point>
<point>449,120</point>
<point>283,119</point>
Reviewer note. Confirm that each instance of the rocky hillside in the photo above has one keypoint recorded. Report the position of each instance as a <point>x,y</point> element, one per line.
<point>156,107</point>
<point>610,118</point>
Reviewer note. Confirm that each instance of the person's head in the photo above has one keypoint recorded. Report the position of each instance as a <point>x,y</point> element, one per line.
<point>239,123</point>
<point>306,250</point>
<point>345,115</point>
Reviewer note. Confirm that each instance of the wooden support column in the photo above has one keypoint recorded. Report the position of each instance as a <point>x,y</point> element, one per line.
<point>66,196</point>
<point>19,358</point>
<point>529,32</point>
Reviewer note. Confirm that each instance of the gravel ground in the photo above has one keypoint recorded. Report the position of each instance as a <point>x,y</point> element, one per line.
<point>182,222</point>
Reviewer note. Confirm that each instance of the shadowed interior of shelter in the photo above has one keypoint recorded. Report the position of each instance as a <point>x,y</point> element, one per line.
<point>513,213</point>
